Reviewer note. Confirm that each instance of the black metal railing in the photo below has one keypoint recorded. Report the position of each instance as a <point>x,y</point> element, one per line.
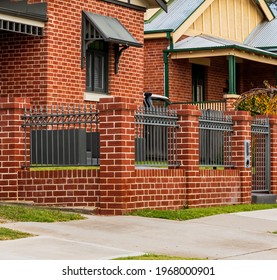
<point>260,147</point>
<point>156,140</point>
<point>61,136</point>
<point>215,139</point>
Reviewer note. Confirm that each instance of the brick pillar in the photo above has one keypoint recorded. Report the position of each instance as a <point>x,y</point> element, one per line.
<point>273,154</point>
<point>230,99</point>
<point>189,150</point>
<point>11,146</point>
<point>117,153</point>
<point>242,131</point>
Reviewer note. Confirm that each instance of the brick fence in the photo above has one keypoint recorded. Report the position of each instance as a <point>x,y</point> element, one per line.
<point>118,186</point>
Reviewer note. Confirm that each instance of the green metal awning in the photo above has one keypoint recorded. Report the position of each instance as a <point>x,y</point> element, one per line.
<point>98,27</point>
<point>108,29</point>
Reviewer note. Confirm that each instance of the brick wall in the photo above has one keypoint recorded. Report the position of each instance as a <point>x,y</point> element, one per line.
<point>23,67</point>
<point>213,188</point>
<point>158,189</point>
<point>154,66</point>
<point>180,80</point>
<point>118,187</point>
<point>72,188</point>
<point>255,73</point>
<point>216,78</point>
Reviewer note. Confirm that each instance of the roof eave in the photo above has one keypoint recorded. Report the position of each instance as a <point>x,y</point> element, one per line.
<point>158,31</point>
<point>24,15</point>
<point>256,51</point>
<point>266,9</point>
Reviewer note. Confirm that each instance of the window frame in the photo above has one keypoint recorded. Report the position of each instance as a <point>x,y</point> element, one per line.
<point>91,55</point>
<point>198,82</point>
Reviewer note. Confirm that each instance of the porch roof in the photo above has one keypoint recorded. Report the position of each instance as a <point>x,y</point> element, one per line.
<point>21,17</point>
<point>208,46</point>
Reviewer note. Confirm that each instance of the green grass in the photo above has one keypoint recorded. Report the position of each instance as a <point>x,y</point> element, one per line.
<point>194,213</point>
<point>35,214</point>
<point>155,257</point>
<point>9,234</point>
<point>54,168</point>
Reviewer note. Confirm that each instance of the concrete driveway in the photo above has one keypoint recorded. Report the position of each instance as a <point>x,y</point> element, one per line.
<point>240,236</point>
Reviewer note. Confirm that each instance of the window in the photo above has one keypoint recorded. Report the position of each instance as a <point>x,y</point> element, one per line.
<point>198,83</point>
<point>97,67</point>
<point>99,33</point>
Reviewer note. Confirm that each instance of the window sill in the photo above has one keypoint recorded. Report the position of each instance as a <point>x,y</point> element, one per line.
<point>92,96</point>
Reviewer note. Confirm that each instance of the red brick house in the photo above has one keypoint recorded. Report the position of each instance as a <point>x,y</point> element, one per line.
<point>45,46</point>
<point>203,50</point>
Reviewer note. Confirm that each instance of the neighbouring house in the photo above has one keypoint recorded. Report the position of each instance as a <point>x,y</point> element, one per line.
<point>204,50</point>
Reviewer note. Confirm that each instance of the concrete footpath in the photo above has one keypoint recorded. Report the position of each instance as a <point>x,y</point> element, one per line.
<point>240,236</point>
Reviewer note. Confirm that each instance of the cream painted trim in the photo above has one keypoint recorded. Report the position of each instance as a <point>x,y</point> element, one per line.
<point>91,96</point>
<point>231,96</point>
<point>149,13</point>
<point>225,52</point>
<point>155,35</point>
<point>266,10</point>
<point>201,61</point>
<point>183,28</point>
<point>200,54</point>
<point>191,32</point>
<point>21,20</point>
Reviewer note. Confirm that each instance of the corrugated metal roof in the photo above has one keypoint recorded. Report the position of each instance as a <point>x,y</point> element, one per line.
<point>265,35</point>
<point>208,42</point>
<point>200,41</point>
<point>178,12</point>
<point>273,8</point>
<point>111,29</point>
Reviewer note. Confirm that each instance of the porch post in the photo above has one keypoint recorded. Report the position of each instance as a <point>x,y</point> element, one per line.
<point>232,74</point>
<point>166,75</point>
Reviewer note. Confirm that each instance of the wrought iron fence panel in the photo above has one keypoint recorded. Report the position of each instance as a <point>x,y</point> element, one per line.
<point>61,136</point>
<point>215,139</point>
<point>156,141</point>
<point>260,145</point>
